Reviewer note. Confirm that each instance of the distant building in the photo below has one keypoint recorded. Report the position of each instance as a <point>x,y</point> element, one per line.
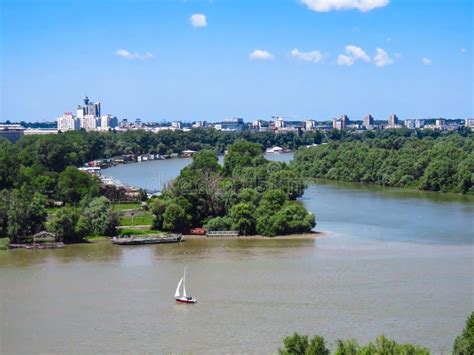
<point>369,121</point>
<point>469,122</point>
<point>310,125</point>
<point>410,123</point>
<point>199,124</point>
<point>419,123</point>
<point>230,124</point>
<point>11,132</point>
<point>392,120</point>
<point>279,123</point>
<point>89,108</point>
<point>108,122</point>
<point>36,131</point>
<point>340,123</point>
<point>176,125</point>
<point>138,123</point>
<point>440,123</point>
<point>90,122</point>
<point>68,122</point>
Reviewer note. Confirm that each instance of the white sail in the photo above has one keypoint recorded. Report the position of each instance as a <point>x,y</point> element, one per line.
<point>184,283</point>
<point>177,288</point>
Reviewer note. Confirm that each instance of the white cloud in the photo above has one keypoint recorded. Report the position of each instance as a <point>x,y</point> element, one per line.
<point>129,55</point>
<point>260,54</point>
<point>426,61</point>
<point>343,59</point>
<point>463,50</point>
<point>313,56</point>
<point>330,5</point>
<point>381,58</point>
<point>357,53</point>
<point>198,20</point>
<point>353,54</point>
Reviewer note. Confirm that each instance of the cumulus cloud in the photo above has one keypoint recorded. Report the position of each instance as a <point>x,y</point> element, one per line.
<point>312,56</point>
<point>260,54</point>
<point>331,5</point>
<point>426,61</point>
<point>198,20</point>
<point>381,58</point>
<point>343,59</point>
<point>123,53</point>
<point>353,54</point>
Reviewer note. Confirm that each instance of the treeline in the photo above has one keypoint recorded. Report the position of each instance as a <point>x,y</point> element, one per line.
<point>47,155</point>
<point>297,344</point>
<point>444,163</point>
<point>249,194</point>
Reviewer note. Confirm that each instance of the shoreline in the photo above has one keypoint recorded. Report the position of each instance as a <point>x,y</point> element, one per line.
<point>299,236</point>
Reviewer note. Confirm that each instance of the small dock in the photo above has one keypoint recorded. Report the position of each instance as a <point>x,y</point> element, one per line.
<point>221,234</point>
<point>37,245</point>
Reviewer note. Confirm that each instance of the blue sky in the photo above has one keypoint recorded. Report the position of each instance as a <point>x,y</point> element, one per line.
<point>253,59</point>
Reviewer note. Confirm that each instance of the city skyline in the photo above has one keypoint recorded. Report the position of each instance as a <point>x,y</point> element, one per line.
<point>207,60</point>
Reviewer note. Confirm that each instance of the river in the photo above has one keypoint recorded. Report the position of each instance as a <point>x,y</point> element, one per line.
<point>393,261</point>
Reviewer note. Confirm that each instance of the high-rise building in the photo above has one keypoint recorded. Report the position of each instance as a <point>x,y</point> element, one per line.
<point>440,123</point>
<point>279,123</point>
<point>392,120</point>
<point>419,123</point>
<point>369,121</point>
<point>309,125</point>
<point>89,108</point>
<point>90,122</point>
<point>410,123</point>
<point>68,122</point>
<point>108,122</point>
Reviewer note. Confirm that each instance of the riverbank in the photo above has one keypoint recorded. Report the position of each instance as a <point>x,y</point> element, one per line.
<point>312,235</point>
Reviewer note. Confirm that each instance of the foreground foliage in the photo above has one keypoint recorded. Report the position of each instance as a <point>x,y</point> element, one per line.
<point>297,344</point>
<point>301,345</point>
<point>248,194</point>
<point>464,343</point>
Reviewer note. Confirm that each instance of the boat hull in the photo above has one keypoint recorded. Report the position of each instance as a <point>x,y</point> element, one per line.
<point>186,300</point>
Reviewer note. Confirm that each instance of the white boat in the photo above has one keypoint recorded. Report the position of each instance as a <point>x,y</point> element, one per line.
<point>183,298</point>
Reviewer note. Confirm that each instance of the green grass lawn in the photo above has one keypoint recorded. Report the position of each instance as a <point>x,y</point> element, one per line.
<point>138,231</point>
<point>139,220</point>
<point>128,206</point>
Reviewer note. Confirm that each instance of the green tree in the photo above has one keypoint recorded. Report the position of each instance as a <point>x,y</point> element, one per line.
<point>205,159</point>
<point>219,224</point>
<point>73,185</point>
<point>158,207</point>
<point>65,225</point>
<point>346,347</point>
<point>243,154</point>
<point>175,218</point>
<point>464,343</point>
<point>98,218</point>
<point>288,181</point>
<point>26,215</point>
<point>242,218</point>
<point>294,345</point>
<point>317,346</point>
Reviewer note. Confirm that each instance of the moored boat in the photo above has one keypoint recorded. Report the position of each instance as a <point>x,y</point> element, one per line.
<point>147,239</point>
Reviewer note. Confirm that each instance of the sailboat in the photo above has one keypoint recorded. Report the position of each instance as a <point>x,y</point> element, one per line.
<point>183,298</point>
